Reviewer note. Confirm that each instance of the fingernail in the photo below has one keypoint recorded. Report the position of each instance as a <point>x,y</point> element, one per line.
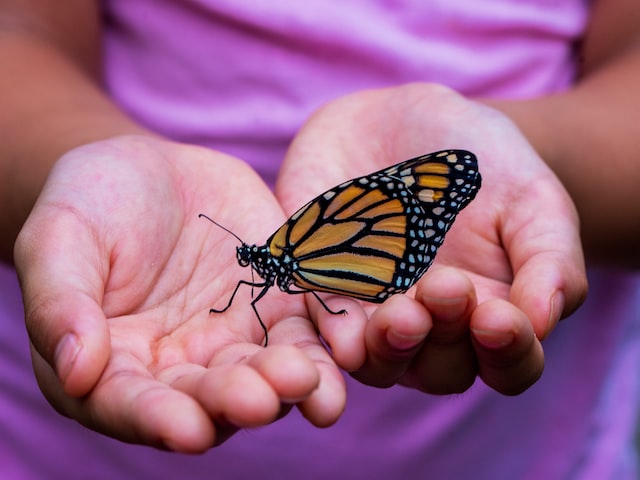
<point>447,309</point>
<point>403,342</point>
<point>66,354</point>
<point>491,339</point>
<point>556,307</point>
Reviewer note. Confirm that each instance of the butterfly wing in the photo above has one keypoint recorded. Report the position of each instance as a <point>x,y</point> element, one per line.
<point>376,235</point>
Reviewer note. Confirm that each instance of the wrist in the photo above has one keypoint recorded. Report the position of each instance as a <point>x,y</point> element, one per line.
<point>43,119</point>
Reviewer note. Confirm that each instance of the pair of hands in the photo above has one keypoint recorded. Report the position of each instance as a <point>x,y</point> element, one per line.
<point>118,275</point>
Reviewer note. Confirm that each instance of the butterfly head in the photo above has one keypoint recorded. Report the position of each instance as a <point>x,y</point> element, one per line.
<point>259,258</point>
<point>244,254</point>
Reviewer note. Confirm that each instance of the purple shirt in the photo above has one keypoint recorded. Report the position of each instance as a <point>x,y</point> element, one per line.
<point>241,76</point>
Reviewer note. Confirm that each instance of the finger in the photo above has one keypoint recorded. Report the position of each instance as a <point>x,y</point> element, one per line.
<point>343,333</point>
<point>510,357</point>
<point>237,395</point>
<point>447,362</point>
<point>546,256</point>
<point>245,385</point>
<point>326,403</point>
<point>132,407</point>
<point>248,386</point>
<point>560,287</point>
<point>450,297</point>
<point>291,374</point>
<point>393,336</point>
<point>231,396</point>
<point>61,290</point>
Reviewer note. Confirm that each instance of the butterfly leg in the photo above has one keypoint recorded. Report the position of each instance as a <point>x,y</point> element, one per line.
<point>265,286</point>
<point>326,307</point>
<point>253,305</point>
<point>233,295</point>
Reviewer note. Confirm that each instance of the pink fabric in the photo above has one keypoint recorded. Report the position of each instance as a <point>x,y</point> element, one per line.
<point>242,76</point>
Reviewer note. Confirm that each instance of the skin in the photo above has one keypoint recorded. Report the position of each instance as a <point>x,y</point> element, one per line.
<point>499,245</point>
<point>118,272</point>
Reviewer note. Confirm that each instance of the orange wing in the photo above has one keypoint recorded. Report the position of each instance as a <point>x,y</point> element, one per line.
<point>376,235</point>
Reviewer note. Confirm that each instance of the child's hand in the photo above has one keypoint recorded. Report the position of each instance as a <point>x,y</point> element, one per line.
<point>514,257</point>
<point>119,273</point>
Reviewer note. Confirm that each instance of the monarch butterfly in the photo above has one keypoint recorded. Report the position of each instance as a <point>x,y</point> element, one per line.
<point>368,238</point>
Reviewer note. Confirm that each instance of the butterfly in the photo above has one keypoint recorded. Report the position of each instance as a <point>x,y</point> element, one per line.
<point>368,238</point>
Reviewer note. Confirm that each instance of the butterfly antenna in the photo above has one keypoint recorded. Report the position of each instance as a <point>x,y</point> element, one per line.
<point>202,215</point>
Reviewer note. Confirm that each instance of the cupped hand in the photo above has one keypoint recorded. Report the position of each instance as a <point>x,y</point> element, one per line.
<point>118,276</point>
<point>510,268</point>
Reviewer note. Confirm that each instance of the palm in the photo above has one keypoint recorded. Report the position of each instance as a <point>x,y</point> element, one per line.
<point>173,266</point>
<point>127,242</point>
<point>517,241</point>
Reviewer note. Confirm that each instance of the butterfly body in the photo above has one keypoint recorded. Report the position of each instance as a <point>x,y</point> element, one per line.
<point>370,237</point>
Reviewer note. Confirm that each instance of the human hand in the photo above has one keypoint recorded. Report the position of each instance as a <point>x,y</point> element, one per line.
<point>510,267</point>
<point>118,274</point>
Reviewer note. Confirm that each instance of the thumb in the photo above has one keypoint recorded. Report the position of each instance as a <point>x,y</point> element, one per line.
<point>56,260</point>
